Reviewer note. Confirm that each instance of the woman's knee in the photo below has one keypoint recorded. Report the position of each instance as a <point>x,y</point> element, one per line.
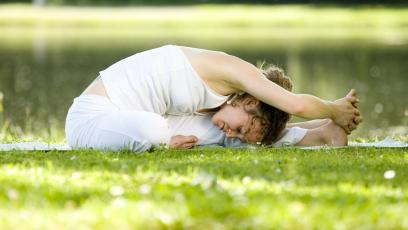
<point>112,141</point>
<point>139,125</point>
<point>118,130</point>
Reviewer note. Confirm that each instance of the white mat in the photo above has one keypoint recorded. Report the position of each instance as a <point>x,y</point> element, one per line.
<point>33,145</point>
<point>387,142</point>
<point>41,146</point>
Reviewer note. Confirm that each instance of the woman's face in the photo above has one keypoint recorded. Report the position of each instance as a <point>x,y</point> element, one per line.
<point>235,122</point>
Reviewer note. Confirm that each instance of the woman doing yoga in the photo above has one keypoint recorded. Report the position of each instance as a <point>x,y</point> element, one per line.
<point>127,105</point>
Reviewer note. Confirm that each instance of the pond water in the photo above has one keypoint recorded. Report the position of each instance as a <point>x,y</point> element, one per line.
<point>40,74</point>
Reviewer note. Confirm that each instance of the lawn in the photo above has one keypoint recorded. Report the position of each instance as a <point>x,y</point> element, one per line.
<point>205,188</point>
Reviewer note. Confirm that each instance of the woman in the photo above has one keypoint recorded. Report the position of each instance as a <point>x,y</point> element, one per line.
<point>128,103</point>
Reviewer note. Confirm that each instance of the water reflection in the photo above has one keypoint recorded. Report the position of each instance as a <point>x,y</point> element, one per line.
<point>39,81</point>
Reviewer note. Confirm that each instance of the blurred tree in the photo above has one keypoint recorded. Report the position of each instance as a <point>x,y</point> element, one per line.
<point>39,2</point>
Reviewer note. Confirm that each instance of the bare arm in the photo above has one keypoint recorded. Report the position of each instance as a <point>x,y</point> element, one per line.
<point>243,76</point>
<point>183,142</point>
<point>227,74</point>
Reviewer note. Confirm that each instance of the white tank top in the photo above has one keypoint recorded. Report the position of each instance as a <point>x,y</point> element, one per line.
<point>159,80</point>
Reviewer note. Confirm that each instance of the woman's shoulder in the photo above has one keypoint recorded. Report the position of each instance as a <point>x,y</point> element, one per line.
<point>201,52</point>
<point>213,63</point>
<point>212,66</point>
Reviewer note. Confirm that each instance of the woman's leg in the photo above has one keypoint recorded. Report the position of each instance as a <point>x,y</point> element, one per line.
<point>326,134</point>
<point>93,122</point>
<point>309,124</point>
<point>122,130</point>
<point>132,130</point>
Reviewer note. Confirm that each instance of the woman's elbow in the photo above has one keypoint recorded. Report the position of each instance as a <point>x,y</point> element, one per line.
<point>298,110</point>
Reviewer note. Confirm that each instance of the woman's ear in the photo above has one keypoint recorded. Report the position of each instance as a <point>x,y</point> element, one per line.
<point>250,102</point>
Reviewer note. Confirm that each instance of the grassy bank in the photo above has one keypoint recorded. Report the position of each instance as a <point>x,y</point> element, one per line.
<point>205,188</point>
<point>229,25</point>
<point>208,15</point>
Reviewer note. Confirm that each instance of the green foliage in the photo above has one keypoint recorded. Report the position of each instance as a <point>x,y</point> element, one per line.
<point>205,188</point>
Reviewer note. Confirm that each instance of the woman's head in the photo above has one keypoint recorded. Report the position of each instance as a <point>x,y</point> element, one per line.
<point>236,119</point>
<point>251,120</point>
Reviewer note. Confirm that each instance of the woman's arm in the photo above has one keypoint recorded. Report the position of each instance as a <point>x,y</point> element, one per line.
<point>182,142</point>
<point>243,76</point>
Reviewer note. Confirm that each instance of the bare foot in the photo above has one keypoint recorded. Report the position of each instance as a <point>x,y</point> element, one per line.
<point>334,135</point>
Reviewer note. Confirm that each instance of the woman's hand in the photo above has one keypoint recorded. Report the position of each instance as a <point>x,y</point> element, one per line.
<point>346,113</point>
<point>183,142</point>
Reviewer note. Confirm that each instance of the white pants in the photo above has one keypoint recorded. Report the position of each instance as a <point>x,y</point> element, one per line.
<point>94,122</point>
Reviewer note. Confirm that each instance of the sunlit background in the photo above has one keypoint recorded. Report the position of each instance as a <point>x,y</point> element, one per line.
<point>51,50</point>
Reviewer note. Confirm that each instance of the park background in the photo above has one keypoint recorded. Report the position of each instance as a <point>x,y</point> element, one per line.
<point>51,50</point>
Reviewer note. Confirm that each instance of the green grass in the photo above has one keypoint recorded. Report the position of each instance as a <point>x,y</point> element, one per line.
<point>205,188</point>
<point>231,25</point>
